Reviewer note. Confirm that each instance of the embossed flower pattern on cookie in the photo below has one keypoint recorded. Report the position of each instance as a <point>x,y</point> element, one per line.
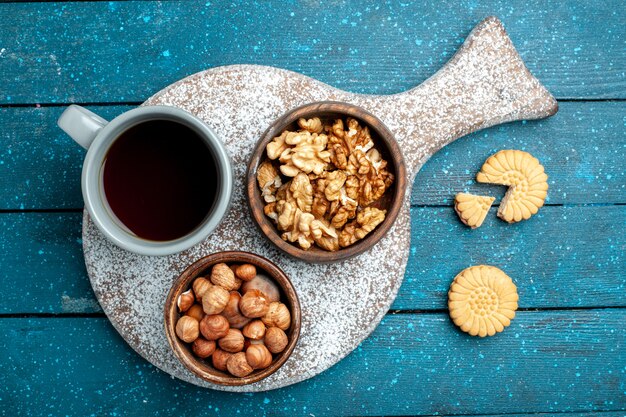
<point>482,300</point>
<point>527,181</point>
<point>472,209</point>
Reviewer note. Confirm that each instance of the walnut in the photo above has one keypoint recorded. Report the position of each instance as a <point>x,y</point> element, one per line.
<point>320,203</point>
<point>337,145</point>
<point>313,125</point>
<point>283,192</point>
<point>365,222</point>
<point>308,154</point>
<point>371,190</point>
<point>380,165</point>
<point>372,174</point>
<point>342,144</point>
<point>334,183</point>
<point>302,191</point>
<point>352,187</point>
<point>296,224</point>
<point>277,146</point>
<point>362,140</point>
<point>358,164</point>
<point>269,181</point>
<point>286,212</point>
<point>270,211</point>
<point>342,210</point>
<point>324,235</point>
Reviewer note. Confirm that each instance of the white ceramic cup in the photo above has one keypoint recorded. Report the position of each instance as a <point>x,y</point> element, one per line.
<point>97,135</point>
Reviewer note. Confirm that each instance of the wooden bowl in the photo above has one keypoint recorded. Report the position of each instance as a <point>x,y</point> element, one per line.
<point>203,368</point>
<point>384,142</point>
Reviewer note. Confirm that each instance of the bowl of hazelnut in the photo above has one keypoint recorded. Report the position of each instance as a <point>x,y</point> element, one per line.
<point>232,318</point>
<point>326,181</point>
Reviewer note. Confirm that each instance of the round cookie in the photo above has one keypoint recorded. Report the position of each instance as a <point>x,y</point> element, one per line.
<point>482,300</point>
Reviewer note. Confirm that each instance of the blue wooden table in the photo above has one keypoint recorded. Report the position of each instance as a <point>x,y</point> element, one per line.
<point>565,352</point>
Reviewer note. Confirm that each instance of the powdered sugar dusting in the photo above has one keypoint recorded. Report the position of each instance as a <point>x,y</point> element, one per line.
<point>486,83</point>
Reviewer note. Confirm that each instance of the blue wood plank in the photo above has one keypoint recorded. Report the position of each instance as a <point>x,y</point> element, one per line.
<point>575,414</point>
<point>126,51</point>
<point>562,257</point>
<point>582,148</point>
<point>42,269</point>
<point>413,364</point>
<point>40,166</point>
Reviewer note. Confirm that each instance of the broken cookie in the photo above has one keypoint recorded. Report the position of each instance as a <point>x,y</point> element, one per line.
<point>472,209</point>
<point>527,181</point>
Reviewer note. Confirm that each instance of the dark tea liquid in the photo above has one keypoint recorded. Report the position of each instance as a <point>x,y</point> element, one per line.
<point>160,179</point>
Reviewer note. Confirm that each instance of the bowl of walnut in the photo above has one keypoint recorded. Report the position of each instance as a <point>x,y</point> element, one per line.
<point>326,181</point>
<point>232,318</point>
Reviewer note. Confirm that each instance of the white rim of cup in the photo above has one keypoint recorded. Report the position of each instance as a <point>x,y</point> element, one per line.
<point>95,202</point>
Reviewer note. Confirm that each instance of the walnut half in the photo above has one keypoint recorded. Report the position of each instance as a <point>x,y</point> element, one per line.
<point>365,222</point>
<point>269,181</point>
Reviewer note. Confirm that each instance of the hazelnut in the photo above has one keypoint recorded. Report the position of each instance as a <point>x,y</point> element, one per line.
<point>238,283</point>
<point>248,342</point>
<point>203,348</point>
<point>232,342</point>
<point>275,340</point>
<point>258,357</point>
<point>246,272</point>
<point>232,313</point>
<point>185,301</point>
<point>220,358</point>
<point>254,330</point>
<point>196,312</point>
<point>278,315</point>
<point>253,304</point>
<point>265,285</point>
<point>215,299</point>
<point>187,329</point>
<point>214,327</point>
<point>238,366</point>
<point>200,287</point>
<point>223,276</point>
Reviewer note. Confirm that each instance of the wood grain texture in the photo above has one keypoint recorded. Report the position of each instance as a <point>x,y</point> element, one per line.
<point>581,148</point>
<point>566,414</point>
<point>133,49</point>
<point>563,257</point>
<point>545,362</point>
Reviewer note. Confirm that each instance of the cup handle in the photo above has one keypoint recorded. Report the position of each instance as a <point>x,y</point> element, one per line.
<point>81,124</point>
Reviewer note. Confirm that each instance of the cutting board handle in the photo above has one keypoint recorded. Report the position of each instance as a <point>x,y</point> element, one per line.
<point>484,84</point>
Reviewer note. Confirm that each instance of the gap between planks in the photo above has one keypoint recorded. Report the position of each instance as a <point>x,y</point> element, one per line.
<point>577,413</point>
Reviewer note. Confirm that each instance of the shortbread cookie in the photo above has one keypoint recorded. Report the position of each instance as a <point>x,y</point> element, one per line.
<point>472,209</point>
<point>482,300</point>
<point>527,181</point>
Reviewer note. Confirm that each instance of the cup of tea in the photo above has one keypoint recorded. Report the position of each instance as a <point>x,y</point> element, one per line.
<point>156,180</point>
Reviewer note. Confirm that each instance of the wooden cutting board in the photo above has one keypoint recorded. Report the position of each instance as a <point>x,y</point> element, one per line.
<point>484,84</point>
